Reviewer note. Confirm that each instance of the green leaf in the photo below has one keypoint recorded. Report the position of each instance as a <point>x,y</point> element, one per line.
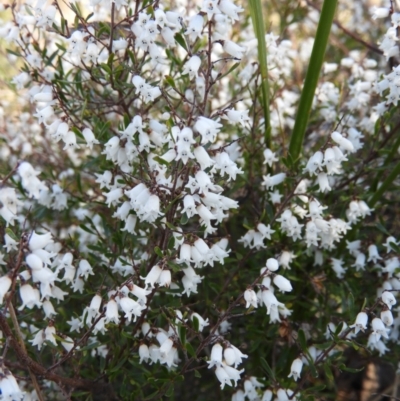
<point>171,243</point>
<point>158,252</point>
<point>180,39</point>
<point>170,392</point>
<point>158,159</point>
<point>267,368</point>
<point>196,323</point>
<point>184,219</point>
<point>170,81</point>
<point>328,373</point>
<point>233,68</point>
<point>302,340</point>
<point>385,185</point>
<point>13,53</point>
<point>256,13</point>
<point>106,68</point>
<point>182,334</point>
<point>197,374</point>
<point>311,81</point>
<point>343,367</point>
<point>11,234</point>
<point>190,350</point>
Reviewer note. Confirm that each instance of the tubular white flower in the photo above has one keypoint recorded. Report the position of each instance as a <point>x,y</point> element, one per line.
<point>203,158</point>
<point>296,368</point>
<point>272,264</point>
<point>388,299</point>
<point>269,157</point>
<point>361,322</point>
<point>144,353</point>
<point>153,276</point>
<point>195,27</point>
<point>30,297</point>
<point>373,254</point>
<point>387,317</point>
<point>216,356</point>
<point>165,278</point>
<point>112,312</point>
<point>233,49</point>
<point>272,181</point>
<point>192,66</point>
<point>202,323</point>
<point>282,283</point>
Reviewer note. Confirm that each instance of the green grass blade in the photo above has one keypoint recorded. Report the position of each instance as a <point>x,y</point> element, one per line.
<point>310,83</point>
<point>258,24</point>
<point>385,185</point>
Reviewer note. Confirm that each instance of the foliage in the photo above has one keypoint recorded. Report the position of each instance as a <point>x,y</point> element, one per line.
<point>190,206</point>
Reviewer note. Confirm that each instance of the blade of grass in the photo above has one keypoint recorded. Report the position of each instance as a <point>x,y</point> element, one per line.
<point>310,83</point>
<point>259,30</point>
<point>385,185</point>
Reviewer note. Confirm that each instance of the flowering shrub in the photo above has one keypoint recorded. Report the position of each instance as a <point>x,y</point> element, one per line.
<point>182,215</point>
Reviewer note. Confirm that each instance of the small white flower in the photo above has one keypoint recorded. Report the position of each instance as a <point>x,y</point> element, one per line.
<point>282,283</point>
<point>251,298</point>
<point>272,264</point>
<point>112,312</point>
<point>216,356</point>
<point>233,49</point>
<point>272,181</point>
<point>388,299</point>
<point>295,369</point>
<point>192,66</point>
<point>361,322</point>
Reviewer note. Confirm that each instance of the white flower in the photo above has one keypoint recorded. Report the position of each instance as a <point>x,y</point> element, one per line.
<point>269,157</point>
<point>251,298</point>
<point>164,279</point>
<point>207,128</point>
<point>390,240</point>
<point>222,376</point>
<point>130,307</point>
<point>233,49</point>
<point>144,353</point>
<point>295,369</point>
<point>30,297</point>
<point>202,323</point>
<point>337,266</point>
<point>282,283</point>
<point>216,356</point>
<point>272,181</point>
<point>153,276</point>
<point>89,138</point>
<point>230,9</point>
<point>388,299</point>
<point>236,116</point>
<point>210,7</point>
<point>112,312</point>
<point>387,317</point>
<point>39,241</point>
<point>343,142</point>
<point>195,27</point>
<point>361,322</point>
<point>5,284</point>
<point>272,264</point>
<point>373,253</point>
<point>286,258</point>
<point>192,66</point>
<point>379,12</point>
<point>379,329</point>
<point>323,182</point>
<point>203,157</point>
<point>151,210</point>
